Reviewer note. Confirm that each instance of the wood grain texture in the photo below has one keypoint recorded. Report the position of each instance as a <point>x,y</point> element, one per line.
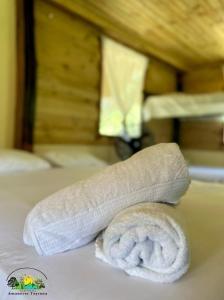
<point>205,79</point>
<point>204,135</point>
<point>161,78</point>
<point>68,77</point>
<point>162,130</point>
<point>183,33</point>
<point>213,158</point>
<point>68,58</point>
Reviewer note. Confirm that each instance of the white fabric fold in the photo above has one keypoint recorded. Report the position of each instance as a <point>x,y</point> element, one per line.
<point>146,240</point>
<point>73,216</point>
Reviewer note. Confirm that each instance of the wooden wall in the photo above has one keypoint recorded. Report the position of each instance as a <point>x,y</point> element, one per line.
<point>162,130</point>
<point>206,79</point>
<point>160,78</point>
<point>203,133</point>
<point>68,77</point>
<point>68,58</point>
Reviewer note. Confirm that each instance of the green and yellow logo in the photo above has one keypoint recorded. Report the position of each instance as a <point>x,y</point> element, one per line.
<point>26,280</point>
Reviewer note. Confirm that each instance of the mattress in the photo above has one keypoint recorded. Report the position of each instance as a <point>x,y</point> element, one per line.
<point>183,105</point>
<point>78,275</point>
<point>206,173</point>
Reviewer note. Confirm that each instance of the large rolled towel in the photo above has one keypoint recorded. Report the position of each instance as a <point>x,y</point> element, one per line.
<point>146,240</point>
<point>73,216</point>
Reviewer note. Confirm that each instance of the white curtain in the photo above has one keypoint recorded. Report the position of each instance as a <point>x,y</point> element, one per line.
<point>123,75</point>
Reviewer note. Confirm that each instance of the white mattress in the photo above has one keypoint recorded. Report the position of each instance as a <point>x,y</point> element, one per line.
<point>183,105</point>
<point>206,173</point>
<point>78,275</point>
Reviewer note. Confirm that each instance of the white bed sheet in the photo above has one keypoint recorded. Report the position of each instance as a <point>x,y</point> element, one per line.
<point>78,275</point>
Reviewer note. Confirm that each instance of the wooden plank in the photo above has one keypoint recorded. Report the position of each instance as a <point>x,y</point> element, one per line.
<point>204,135</point>
<point>162,130</point>
<point>204,79</point>
<point>56,107</point>
<point>68,77</point>
<point>58,74</point>
<point>199,157</point>
<point>66,130</point>
<point>160,78</point>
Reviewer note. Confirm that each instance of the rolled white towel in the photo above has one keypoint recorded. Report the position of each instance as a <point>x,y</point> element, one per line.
<point>74,216</point>
<point>146,240</point>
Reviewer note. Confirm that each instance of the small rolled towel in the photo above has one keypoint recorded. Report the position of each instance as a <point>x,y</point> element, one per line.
<point>146,240</point>
<point>73,216</point>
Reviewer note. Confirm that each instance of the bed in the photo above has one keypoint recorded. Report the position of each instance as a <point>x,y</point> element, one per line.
<point>78,274</point>
<point>66,99</point>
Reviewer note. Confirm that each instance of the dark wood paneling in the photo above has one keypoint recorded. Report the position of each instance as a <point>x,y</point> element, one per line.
<point>20,90</point>
<point>204,135</point>
<point>162,130</point>
<point>26,73</point>
<point>160,78</point>
<point>206,79</point>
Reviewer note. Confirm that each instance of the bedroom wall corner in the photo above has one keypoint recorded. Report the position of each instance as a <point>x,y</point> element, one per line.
<point>7,71</point>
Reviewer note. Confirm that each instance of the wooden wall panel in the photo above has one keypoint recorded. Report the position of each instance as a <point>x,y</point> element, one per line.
<point>160,78</point>
<point>213,158</point>
<point>68,77</point>
<point>199,134</point>
<point>204,79</point>
<point>162,130</point>
<point>202,134</point>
